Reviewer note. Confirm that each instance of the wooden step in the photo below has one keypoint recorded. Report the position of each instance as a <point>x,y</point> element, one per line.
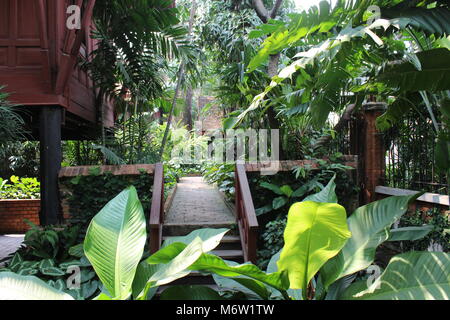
<point>225,239</point>
<point>229,254</point>
<point>227,243</point>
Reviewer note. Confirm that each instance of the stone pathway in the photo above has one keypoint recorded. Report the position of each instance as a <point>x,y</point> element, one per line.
<point>9,244</point>
<point>198,202</point>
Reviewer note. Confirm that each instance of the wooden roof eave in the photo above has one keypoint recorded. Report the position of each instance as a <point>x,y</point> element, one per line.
<point>44,44</point>
<point>72,47</point>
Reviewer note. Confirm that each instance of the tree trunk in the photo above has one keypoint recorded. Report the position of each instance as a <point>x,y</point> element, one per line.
<point>274,61</point>
<point>180,76</point>
<point>187,117</point>
<point>273,71</point>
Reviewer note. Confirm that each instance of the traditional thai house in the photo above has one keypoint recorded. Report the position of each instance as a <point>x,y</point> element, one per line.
<point>39,65</point>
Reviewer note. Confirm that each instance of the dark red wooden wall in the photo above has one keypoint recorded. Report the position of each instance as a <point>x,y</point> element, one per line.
<point>34,44</point>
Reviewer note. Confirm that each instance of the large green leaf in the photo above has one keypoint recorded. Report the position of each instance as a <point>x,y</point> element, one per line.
<point>410,276</point>
<point>434,74</point>
<point>190,293</point>
<point>213,264</point>
<point>253,289</point>
<point>327,195</point>
<point>272,187</point>
<point>175,261</point>
<point>115,242</point>
<point>396,111</point>
<point>431,21</point>
<point>15,287</point>
<point>296,294</point>
<point>410,233</point>
<point>174,258</point>
<point>144,272</point>
<point>279,202</point>
<point>370,226</point>
<point>211,238</point>
<point>315,232</point>
<point>442,152</point>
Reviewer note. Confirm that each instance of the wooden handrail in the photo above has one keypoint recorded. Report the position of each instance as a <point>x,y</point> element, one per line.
<point>245,214</point>
<point>157,211</point>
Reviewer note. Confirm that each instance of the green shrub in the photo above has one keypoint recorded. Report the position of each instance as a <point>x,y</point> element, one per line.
<point>273,241</point>
<point>19,188</point>
<point>87,195</point>
<point>222,175</point>
<point>48,253</point>
<point>440,234</point>
<point>49,242</point>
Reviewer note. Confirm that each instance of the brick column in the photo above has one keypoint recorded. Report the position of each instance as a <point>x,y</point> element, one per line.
<point>373,150</point>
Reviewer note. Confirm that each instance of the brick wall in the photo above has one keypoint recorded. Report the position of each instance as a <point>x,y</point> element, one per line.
<point>14,212</point>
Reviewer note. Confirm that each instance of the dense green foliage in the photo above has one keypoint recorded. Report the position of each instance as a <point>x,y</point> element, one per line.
<point>440,235</point>
<point>11,123</point>
<point>51,253</point>
<point>19,188</point>
<point>87,195</point>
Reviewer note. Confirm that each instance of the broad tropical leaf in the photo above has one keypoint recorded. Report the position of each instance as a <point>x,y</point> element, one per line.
<point>272,187</point>
<point>327,195</point>
<point>253,289</point>
<point>279,202</point>
<point>411,276</point>
<point>115,242</point>
<point>190,293</point>
<point>15,287</point>
<point>213,264</point>
<point>211,238</point>
<point>410,233</point>
<point>434,74</point>
<point>370,226</point>
<point>397,110</point>
<point>144,272</point>
<point>431,21</point>
<point>442,152</point>
<point>182,256</point>
<point>315,232</point>
<point>272,268</point>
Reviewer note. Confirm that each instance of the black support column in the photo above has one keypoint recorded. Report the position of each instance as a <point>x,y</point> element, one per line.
<point>50,138</point>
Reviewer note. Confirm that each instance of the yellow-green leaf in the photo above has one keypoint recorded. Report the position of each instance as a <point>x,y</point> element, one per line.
<point>315,233</point>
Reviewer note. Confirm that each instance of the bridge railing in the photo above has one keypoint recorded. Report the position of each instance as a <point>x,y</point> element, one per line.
<point>157,210</point>
<point>245,214</point>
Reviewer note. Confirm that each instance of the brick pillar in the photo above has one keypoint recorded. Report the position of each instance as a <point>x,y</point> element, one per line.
<point>373,150</point>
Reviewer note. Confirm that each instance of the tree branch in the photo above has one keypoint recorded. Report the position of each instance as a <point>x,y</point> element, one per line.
<point>261,10</point>
<point>275,9</point>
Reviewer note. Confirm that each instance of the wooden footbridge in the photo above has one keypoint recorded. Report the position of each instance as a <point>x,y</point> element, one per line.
<point>196,205</point>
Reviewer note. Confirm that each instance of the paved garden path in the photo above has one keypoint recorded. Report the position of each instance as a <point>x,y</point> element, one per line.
<point>9,244</point>
<point>196,201</point>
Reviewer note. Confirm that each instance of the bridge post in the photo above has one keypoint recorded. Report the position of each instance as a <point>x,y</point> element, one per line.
<point>50,163</point>
<point>373,150</point>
